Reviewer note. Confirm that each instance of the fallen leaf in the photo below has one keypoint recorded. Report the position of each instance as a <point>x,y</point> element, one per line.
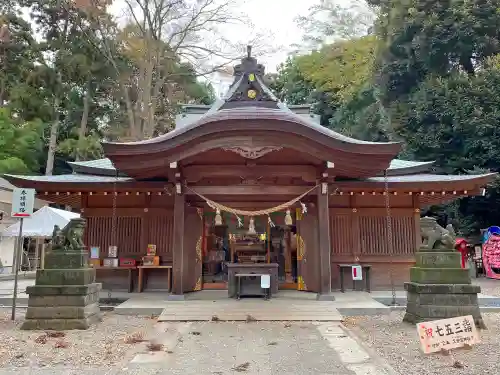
<point>458,364</point>
<point>273,343</point>
<point>242,368</point>
<point>134,338</point>
<point>42,339</point>
<point>250,319</point>
<point>61,344</point>
<point>196,333</point>
<point>154,347</point>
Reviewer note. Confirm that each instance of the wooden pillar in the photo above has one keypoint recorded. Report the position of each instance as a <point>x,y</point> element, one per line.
<point>178,246</point>
<point>416,218</point>
<point>288,257</point>
<point>324,248</point>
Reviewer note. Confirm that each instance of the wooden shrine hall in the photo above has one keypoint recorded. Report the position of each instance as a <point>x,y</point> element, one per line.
<point>245,183</point>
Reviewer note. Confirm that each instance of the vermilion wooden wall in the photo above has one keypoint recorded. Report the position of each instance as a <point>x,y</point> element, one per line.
<point>358,229</point>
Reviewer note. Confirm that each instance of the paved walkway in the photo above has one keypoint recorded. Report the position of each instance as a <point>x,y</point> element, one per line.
<point>263,348</point>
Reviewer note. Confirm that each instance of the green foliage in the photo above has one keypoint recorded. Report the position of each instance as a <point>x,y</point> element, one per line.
<point>430,77</point>
<point>65,80</point>
<point>290,84</point>
<point>340,68</point>
<point>421,38</point>
<point>20,145</point>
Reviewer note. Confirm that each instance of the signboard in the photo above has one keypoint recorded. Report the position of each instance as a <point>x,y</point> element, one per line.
<point>23,201</point>
<point>357,273</point>
<point>94,252</point>
<point>265,281</point>
<point>447,334</point>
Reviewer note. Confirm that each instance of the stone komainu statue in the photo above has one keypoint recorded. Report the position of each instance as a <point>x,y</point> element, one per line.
<point>435,237</point>
<point>70,238</point>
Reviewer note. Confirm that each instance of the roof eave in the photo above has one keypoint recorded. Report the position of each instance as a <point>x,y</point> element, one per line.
<point>469,184</point>
<point>415,169</point>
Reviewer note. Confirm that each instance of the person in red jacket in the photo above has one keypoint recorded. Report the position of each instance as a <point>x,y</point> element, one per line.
<point>461,245</point>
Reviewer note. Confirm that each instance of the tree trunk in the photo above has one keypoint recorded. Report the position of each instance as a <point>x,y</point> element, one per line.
<point>83,122</point>
<point>468,66</point>
<point>53,139</point>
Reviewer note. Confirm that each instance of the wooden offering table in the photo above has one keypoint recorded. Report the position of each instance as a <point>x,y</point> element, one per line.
<point>141,276</point>
<point>247,269</point>
<point>366,275</point>
<point>130,274</point>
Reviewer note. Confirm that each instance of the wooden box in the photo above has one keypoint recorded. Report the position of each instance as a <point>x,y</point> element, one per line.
<point>127,262</point>
<point>151,260</point>
<point>95,263</point>
<point>110,262</point>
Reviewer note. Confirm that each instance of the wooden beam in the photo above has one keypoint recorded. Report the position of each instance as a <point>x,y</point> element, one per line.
<point>195,173</point>
<point>249,190</point>
<point>127,211</point>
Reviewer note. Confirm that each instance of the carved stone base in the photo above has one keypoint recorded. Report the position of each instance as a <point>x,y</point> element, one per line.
<point>62,307</point>
<point>427,302</point>
<point>440,288</point>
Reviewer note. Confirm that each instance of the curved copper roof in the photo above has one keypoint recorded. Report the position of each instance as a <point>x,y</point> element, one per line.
<point>259,113</point>
<point>254,126</point>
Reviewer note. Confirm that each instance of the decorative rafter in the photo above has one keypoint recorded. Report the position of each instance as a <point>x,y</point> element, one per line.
<point>249,152</point>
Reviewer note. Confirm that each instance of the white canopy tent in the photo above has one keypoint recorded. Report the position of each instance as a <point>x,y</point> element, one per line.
<point>39,227</point>
<point>41,223</point>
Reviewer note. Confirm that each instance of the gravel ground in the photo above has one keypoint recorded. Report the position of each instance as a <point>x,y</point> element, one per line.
<point>102,345</point>
<point>397,342</point>
<point>489,287</point>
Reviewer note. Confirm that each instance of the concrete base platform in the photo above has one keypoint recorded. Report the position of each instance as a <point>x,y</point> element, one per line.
<point>286,305</point>
<point>250,309</point>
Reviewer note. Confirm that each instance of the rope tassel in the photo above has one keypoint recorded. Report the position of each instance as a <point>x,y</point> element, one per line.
<point>218,217</point>
<point>270,222</point>
<point>288,218</point>
<point>240,222</point>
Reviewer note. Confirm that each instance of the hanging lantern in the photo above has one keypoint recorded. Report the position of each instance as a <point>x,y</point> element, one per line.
<point>288,218</point>
<point>218,217</point>
<point>251,227</point>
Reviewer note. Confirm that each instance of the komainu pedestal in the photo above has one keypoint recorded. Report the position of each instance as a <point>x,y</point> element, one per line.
<point>65,294</point>
<point>439,287</point>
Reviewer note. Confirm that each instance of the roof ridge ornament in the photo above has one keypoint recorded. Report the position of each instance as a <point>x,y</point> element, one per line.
<point>248,88</point>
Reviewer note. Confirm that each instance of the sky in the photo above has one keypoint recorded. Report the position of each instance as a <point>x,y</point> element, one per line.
<point>276,18</point>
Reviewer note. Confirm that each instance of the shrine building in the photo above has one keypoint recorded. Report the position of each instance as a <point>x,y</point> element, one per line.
<point>250,181</point>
